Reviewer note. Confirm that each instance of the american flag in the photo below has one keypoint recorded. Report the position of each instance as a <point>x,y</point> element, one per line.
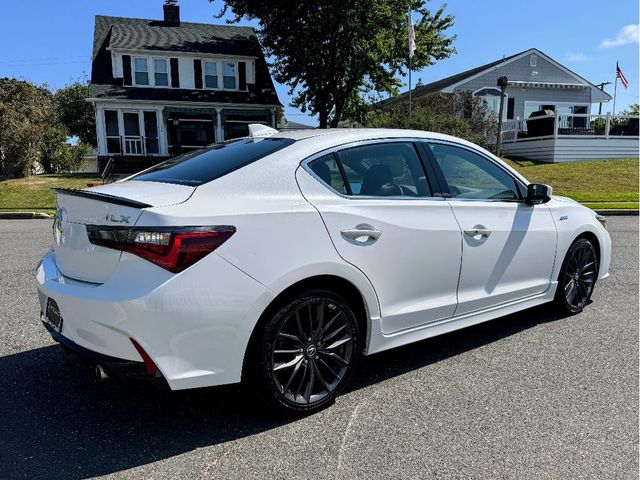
<point>620,75</point>
<point>412,37</point>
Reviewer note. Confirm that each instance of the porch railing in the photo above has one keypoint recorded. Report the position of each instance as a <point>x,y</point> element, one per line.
<point>562,125</point>
<point>131,145</point>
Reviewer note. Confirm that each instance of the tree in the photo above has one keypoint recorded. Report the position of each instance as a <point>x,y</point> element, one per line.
<point>461,114</point>
<point>75,113</point>
<point>330,52</point>
<point>28,118</point>
<point>633,109</point>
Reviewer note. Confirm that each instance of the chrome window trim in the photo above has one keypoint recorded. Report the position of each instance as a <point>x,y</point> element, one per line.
<point>358,143</point>
<point>483,155</point>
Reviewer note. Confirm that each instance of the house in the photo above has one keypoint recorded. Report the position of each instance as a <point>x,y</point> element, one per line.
<point>163,87</point>
<point>562,127</point>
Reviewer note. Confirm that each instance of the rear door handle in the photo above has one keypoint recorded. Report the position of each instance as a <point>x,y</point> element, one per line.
<point>478,230</point>
<point>361,231</point>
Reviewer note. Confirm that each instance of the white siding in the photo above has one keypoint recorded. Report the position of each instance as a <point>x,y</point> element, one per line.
<point>573,149</point>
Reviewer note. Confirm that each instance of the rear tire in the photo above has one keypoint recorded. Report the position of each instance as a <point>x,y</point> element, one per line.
<point>307,352</point>
<point>577,277</point>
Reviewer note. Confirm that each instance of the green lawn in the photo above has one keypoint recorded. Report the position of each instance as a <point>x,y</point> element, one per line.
<point>33,194</point>
<point>596,183</point>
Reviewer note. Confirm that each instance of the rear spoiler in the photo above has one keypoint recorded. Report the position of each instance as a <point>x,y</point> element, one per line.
<point>103,197</point>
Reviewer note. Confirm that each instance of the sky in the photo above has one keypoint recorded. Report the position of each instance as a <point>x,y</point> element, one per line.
<point>45,41</point>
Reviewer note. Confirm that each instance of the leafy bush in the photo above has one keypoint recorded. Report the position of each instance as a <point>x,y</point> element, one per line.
<point>461,115</point>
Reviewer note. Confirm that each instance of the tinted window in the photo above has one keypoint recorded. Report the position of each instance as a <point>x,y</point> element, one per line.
<point>202,166</point>
<point>470,175</point>
<point>327,170</point>
<point>385,169</point>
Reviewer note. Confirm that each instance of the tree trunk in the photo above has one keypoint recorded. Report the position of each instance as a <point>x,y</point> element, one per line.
<point>323,116</point>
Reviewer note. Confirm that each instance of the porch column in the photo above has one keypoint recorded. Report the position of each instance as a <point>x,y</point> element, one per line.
<point>219,131</point>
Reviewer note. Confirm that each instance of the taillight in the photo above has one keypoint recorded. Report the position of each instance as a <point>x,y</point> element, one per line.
<point>171,248</point>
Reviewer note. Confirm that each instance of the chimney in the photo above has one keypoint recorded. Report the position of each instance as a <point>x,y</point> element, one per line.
<point>171,13</point>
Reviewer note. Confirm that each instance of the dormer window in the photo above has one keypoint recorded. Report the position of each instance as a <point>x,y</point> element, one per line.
<point>229,76</point>
<point>141,71</point>
<point>211,74</point>
<point>161,72</point>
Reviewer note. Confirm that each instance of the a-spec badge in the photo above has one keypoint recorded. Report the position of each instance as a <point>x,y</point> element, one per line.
<point>122,219</point>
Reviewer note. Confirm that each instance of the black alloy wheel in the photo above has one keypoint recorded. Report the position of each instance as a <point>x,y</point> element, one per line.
<point>577,277</point>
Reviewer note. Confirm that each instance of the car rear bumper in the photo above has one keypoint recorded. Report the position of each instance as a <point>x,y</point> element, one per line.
<point>195,332</point>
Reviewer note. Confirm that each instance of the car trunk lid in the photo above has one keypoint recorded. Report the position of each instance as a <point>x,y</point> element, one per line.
<point>115,205</point>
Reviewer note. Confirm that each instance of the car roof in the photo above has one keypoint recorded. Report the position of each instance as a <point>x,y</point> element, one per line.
<point>349,134</point>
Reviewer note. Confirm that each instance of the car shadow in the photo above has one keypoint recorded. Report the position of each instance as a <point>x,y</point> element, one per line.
<point>57,423</point>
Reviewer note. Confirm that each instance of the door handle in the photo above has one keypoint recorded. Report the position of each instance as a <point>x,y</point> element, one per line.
<point>360,231</point>
<point>478,230</point>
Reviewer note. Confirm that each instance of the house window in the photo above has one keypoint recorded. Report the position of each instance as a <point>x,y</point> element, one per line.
<point>491,97</point>
<point>533,60</point>
<point>229,76</point>
<point>210,75</point>
<point>141,71</point>
<point>511,106</point>
<point>112,131</point>
<point>160,72</point>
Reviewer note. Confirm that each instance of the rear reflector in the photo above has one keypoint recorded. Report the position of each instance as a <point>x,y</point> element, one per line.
<point>173,249</point>
<point>149,364</point>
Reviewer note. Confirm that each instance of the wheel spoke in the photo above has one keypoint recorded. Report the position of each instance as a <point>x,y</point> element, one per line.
<point>301,332</point>
<point>569,285</point>
<point>289,364</point>
<point>310,382</point>
<point>329,368</point>
<point>304,375</point>
<point>294,351</point>
<point>335,357</point>
<point>337,343</point>
<point>288,336</point>
<point>334,333</point>
<point>293,374</point>
<point>318,330</point>
<point>324,383</point>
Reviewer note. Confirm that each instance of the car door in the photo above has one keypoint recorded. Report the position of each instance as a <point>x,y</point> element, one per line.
<point>384,218</point>
<point>508,246</point>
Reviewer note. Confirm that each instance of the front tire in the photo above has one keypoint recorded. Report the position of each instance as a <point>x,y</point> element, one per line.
<point>308,351</point>
<point>577,277</point>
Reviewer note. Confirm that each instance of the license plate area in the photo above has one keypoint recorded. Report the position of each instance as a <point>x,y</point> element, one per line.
<point>52,315</point>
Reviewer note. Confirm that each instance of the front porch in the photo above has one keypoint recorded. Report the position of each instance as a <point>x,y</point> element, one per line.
<point>138,136</point>
<point>555,138</point>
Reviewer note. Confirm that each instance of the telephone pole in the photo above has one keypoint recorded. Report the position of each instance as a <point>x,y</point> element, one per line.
<point>601,87</point>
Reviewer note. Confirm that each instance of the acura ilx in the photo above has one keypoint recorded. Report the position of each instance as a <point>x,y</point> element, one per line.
<point>279,259</point>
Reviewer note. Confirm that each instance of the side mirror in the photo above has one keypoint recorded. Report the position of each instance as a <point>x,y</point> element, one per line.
<point>538,193</point>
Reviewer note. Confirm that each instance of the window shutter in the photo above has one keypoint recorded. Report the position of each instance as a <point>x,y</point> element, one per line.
<point>197,73</point>
<point>175,73</point>
<point>126,69</point>
<point>242,75</point>
<point>511,104</point>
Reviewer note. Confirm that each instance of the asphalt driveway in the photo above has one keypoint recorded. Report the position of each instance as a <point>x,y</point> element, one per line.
<point>527,396</point>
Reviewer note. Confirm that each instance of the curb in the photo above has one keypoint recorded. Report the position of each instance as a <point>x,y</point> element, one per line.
<point>614,212</point>
<point>24,216</point>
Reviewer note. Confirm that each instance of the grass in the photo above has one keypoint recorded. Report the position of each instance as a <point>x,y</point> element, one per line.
<point>596,183</point>
<point>33,194</point>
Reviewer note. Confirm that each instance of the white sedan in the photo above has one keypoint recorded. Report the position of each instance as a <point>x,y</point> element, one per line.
<point>280,258</point>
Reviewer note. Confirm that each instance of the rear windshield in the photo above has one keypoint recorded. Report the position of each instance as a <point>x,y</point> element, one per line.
<point>202,166</point>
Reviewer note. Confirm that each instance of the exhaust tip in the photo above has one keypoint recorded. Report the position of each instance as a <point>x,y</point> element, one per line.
<point>100,373</point>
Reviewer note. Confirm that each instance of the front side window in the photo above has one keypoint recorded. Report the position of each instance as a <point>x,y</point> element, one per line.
<point>472,176</point>
<point>210,75</point>
<point>229,76</point>
<point>141,71</point>
<point>384,170</point>
<point>161,73</point>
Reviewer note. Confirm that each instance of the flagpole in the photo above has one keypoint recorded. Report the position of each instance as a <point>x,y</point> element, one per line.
<point>615,91</point>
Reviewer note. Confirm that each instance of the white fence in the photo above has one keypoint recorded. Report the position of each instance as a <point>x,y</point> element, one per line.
<point>563,125</point>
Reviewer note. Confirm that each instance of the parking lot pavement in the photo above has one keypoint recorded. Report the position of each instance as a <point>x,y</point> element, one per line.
<point>527,396</point>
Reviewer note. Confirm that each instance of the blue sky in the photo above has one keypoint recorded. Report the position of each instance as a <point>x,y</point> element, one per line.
<point>46,41</point>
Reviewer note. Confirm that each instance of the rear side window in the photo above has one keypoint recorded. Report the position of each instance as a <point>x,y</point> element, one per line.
<point>384,170</point>
<point>327,170</point>
<point>202,166</point>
